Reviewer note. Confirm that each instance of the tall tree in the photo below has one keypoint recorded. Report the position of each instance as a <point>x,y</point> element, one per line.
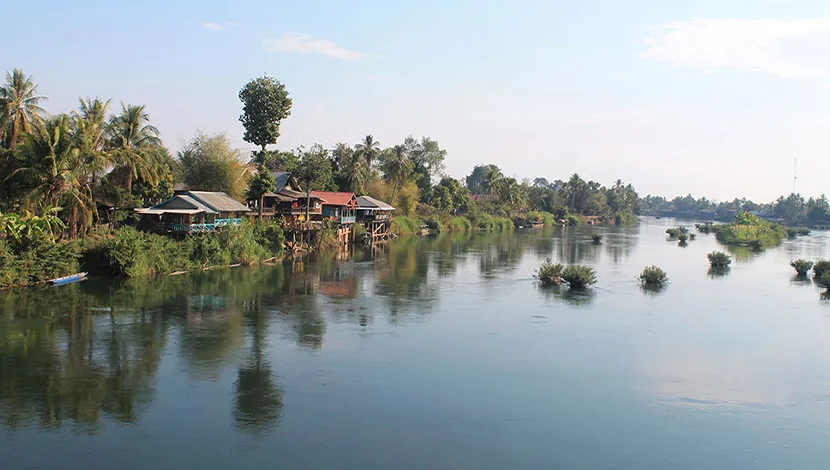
<point>261,184</point>
<point>210,163</point>
<point>134,144</point>
<point>90,129</point>
<point>52,163</point>
<point>265,103</point>
<point>20,107</point>
<point>369,149</point>
<point>397,167</point>
<point>477,182</point>
<point>314,172</point>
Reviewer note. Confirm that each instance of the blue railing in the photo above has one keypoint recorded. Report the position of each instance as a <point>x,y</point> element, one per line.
<point>347,219</point>
<point>221,222</point>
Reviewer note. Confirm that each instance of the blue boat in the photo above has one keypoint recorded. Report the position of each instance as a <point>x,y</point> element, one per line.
<point>67,279</point>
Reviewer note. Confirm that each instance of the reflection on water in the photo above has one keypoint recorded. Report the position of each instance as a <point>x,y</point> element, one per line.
<point>387,354</point>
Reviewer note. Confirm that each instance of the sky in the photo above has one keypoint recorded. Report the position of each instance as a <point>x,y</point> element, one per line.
<point>715,98</point>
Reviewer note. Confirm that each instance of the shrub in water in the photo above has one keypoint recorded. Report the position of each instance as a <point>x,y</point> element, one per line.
<point>549,274</point>
<point>692,236</point>
<point>708,227</point>
<point>819,267</point>
<point>801,266</point>
<point>597,238</point>
<point>824,280</point>
<point>719,259</point>
<point>653,276</point>
<point>676,232</point>
<point>579,276</point>
<point>683,237</point>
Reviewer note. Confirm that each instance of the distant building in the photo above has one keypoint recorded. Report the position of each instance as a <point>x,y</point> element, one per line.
<point>193,212</point>
<point>371,209</point>
<point>287,200</point>
<point>337,206</point>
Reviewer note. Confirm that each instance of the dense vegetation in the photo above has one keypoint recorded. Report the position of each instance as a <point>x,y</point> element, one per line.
<point>801,266</point>
<point>750,230</point>
<point>578,277</point>
<point>792,210</point>
<point>549,274</point>
<point>719,259</point>
<point>653,276</point>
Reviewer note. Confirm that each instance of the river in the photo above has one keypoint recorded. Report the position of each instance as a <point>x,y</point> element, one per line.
<point>431,353</point>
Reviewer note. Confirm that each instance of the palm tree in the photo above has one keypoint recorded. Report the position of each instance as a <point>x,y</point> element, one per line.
<point>492,179</point>
<point>398,167</point>
<point>52,162</point>
<point>369,148</point>
<point>19,104</point>
<point>90,136</point>
<point>134,144</point>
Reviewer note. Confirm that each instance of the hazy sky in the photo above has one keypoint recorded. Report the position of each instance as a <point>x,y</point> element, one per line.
<point>712,97</point>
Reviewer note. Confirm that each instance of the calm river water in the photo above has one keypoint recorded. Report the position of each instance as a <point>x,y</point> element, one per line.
<point>434,353</point>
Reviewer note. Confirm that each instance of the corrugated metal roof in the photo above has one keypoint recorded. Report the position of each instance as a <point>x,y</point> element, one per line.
<point>370,203</point>
<point>334,198</point>
<point>218,201</point>
<point>280,179</point>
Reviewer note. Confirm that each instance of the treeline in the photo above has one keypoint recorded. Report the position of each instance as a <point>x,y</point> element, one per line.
<point>793,210</point>
<point>92,166</point>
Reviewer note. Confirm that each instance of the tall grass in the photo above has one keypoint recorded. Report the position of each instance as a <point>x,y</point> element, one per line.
<point>459,224</point>
<point>405,225</point>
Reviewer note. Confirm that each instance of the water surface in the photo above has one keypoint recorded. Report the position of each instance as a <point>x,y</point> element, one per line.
<point>432,353</point>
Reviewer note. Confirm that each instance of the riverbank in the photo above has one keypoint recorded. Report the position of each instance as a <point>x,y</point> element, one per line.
<point>127,252</point>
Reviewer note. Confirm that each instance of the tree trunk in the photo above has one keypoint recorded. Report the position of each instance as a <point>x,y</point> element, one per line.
<point>129,181</point>
<point>394,190</point>
<point>261,203</point>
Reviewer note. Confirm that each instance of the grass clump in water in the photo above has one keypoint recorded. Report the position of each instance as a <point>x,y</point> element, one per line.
<point>677,232</point>
<point>719,259</point>
<point>596,238</point>
<point>578,276</point>
<point>801,266</point>
<point>820,267</point>
<point>749,229</point>
<point>549,274</point>
<point>653,276</point>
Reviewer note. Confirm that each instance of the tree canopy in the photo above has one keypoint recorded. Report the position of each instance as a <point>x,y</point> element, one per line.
<point>265,103</point>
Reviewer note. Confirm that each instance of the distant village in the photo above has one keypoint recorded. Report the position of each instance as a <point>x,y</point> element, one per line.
<point>193,211</point>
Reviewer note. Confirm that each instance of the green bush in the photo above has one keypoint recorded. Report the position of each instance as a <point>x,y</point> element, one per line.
<point>41,261</point>
<point>578,276</point>
<point>683,237</point>
<point>545,218</point>
<point>707,227</point>
<point>676,232</point>
<point>572,220</point>
<point>653,276</point>
<point>434,224</point>
<point>824,280</point>
<point>459,224</point>
<point>801,266</point>
<point>359,230</point>
<point>403,225</point>
<point>793,232</point>
<point>819,268</point>
<point>751,230</point>
<point>719,259</point>
<point>549,274</point>
<point>625,218</point>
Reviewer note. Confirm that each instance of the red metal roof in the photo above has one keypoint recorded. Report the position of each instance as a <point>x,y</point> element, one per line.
<point>336,199</point>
